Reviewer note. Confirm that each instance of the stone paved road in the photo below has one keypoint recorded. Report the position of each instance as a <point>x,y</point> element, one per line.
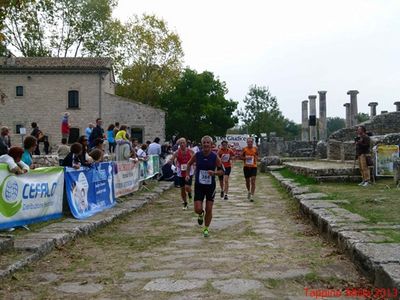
<point>260,250</point>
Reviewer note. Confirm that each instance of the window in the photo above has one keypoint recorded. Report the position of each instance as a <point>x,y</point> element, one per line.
<point>73,99</point>
<point>19,91</point>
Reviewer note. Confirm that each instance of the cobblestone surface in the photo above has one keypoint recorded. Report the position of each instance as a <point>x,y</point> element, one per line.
<point>260,250</point>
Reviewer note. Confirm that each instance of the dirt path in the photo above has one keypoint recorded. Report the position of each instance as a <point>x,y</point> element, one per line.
<point>260,250</point>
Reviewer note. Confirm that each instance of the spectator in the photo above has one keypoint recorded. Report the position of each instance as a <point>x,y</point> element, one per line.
<point>62,150</point>
<point>97,133</point>
<point>4,141</point>
<point>38,134</point>
<point>13,160</point>
<point>141,153</point>
<point>97,155</point>
<point>65,127</point>
<point>73,160</point>
<point>89,130</point>
<point>84,157</point>
<point>154,147</point>
<point>135,144</point>
<point>116,128</point>
<point>111,138</point>
<point>30,144</point>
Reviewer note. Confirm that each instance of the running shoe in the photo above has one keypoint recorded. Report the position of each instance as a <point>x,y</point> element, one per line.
<point>248,196</point>
<point>222,194</point>
<point>251,198</point>
<point>366,183</point>
<point>185,206</point>
<point>200,218</point>
<point>205,232</point>
<point>226,197</point>
<point>361,183</point>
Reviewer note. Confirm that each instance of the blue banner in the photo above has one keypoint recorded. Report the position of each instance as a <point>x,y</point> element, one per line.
<point>90,190</point>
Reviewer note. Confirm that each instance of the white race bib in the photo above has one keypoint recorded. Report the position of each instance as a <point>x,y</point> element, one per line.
<point>225,157</point>
<point>183,167</point>
<point>204,178</point>
<point>249,160</point>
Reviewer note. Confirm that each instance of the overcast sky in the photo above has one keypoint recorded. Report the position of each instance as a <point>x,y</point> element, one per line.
<point>294,47</point>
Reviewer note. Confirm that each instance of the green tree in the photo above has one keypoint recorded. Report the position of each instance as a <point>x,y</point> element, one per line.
<point>261,113</point>
<point>197,106</point>
<point>333,124</point>
<point>57,28</point>
<point>362,117</point>
<point>153,58</point>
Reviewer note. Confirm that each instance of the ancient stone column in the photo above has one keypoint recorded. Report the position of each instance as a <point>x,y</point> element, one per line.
<point>373,106</point>
<point>353,107</point>
<point>397,105</point>
<point>304,121</point>
<point>322,115</point>
<point>348,115</point>
<point>313,117</point>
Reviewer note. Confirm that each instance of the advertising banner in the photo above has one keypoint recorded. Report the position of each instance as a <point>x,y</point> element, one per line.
<point>150,167</point>
<point>126,178</point>
<point>30,198</point>
<point>236,141</point>
<point>90,190</point>
<point>385,155</point>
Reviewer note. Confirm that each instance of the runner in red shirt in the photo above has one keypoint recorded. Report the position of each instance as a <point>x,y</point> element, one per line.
<point>226,154</point>
<point>181,158</point>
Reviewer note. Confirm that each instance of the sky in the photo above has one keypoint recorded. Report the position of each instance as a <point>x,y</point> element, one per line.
<point>294,47</point>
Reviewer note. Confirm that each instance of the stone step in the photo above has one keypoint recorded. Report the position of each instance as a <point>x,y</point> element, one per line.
<point>345,178</point>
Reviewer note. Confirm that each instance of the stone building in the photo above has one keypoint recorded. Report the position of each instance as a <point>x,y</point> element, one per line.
<point>41,89</point>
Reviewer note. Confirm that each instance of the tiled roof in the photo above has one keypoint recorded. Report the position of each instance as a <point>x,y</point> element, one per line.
<point>56,63</point>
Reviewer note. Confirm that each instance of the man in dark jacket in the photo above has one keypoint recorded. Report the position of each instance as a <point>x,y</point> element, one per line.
<point>97,133</point>
<point>362,151</point>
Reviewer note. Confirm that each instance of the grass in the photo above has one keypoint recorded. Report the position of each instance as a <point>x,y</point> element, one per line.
<point>300,179</point>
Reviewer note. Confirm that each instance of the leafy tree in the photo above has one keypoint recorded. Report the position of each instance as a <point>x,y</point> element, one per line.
<point>261,113</point>
<point>197,106</point>
<point>153,55</point>
<point>333,124</point>
<point>57,28</point>
<point>362,117</point>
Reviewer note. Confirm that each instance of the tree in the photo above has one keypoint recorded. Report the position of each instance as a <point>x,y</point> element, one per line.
<point>362,117</point>
<point>153,58</point>
<point>261,113</point>
<point>57,28</point>
<point>333,124</point>
<point>197,106</point>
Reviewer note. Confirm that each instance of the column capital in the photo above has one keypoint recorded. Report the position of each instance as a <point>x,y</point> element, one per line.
<point>346,105</point>
<point>322,92</point>
<point>304,101</point>
<point>397,103</point>
<point>312,97</point>
<point>352,92</point>
<point>373,104</point>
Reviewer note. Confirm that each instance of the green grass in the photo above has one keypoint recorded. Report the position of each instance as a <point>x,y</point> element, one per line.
<point>300,179</point>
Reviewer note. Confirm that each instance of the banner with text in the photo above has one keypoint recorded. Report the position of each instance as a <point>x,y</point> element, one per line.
<point>126,178</point>
<point>385,155</point>
<point>32,197</point>
<point>90,190</point>
<point>235,141</point>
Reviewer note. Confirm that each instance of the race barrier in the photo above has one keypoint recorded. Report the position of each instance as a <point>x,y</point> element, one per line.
<point>33,197</point>
<point>90,190</point>
<point>38,195</point>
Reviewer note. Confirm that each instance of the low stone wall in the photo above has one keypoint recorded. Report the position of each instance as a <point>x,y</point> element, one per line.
<point>279,147</point>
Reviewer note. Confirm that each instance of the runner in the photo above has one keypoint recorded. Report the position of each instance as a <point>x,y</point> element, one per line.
<point>206,163</point>
<point>249,157</point>
<point>181,158</point>
<point>226,154</point>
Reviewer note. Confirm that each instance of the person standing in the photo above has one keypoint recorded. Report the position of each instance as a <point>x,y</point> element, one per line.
<point>38,134</point>
<point>65,127</point>
<point>111,138</point>
<point>29,148</point>
<point>363,142</point>
<point>181,157</point>
<point>226,154</point>
<point>62,150</point>
<point>249,157</point>
<point>88,130</point>
<point>154,147</point>
<point>97,132</point>
<point>4,140</point>
<point>206,164</point>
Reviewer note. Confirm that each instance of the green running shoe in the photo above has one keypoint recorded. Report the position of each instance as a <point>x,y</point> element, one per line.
<point>205,232</point>
<point>200,218</point>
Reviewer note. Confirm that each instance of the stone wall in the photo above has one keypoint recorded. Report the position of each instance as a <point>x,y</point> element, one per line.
<point>279,147</point>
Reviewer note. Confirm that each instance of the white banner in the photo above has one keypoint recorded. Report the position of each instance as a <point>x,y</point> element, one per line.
<point>126,178</point>
<point>33,197</point>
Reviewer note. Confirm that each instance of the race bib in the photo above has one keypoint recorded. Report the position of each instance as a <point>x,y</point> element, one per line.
<point>183,167</point>
<point>225,157</point>
<point>204,177</point>
<point>249,160</point>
